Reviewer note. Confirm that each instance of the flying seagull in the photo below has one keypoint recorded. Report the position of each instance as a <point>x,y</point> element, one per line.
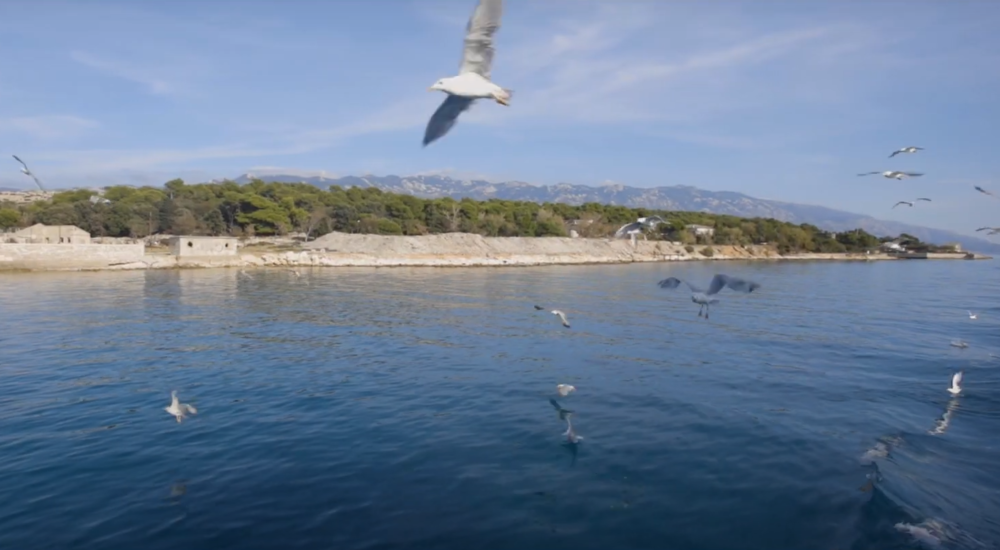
<point>973,316</point>
<point>565,389</point>
<point>178,409</point>
<point>538,307</point>
<point>893,174</point>
<point>562,317</point>
<point>983,191</point>
<point>910,203</point>
<point>26,171</point>
<point>719,282</point>
<point>956,384</point>
<point>473,80</point>
<point>992,230</point>
<point>906,150</point>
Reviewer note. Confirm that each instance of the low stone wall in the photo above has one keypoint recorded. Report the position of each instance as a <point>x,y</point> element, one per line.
<point>68,256</point>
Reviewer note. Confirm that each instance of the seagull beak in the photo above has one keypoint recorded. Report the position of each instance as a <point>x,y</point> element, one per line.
<point>431,89</point>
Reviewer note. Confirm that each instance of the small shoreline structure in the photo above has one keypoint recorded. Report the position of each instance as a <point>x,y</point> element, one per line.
<point>368,250</point>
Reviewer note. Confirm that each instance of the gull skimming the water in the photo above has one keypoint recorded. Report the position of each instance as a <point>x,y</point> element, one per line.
<point>178,409</point>
<point>910,203</point>
<point>959,344</point>
<point>565,389</point>
<point>703,298</point>
<point>906,150</point>
<point>893,174</point>
<point>26,171</point>
<point>562,317</point>
<point>473,80</point>
<point>956,384</point>
<point>973,316</point>
<point>564,414</point>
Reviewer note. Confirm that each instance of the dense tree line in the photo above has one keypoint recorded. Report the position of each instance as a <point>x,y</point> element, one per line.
<point>260,208</point>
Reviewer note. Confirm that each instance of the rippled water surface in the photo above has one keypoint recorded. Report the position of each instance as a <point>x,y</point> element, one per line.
<point>409,408</point>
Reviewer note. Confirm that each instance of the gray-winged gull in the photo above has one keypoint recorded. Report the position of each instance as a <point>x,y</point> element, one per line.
<point>893,174</point>
<point>562,317</point>
<point>906,150</point>
<point>473,80</point>
<point>910,203</point>
<point>27,171</point>
<point>178,409</point>
<point>719,282</point>
<point>991,230</point>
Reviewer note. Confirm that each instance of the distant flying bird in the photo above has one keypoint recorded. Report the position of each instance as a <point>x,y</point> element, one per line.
<point>565,389</point>
<point>906,150</point>
<point>992,230</point>
<point>473,80</point>
<point>956,384</point>
<point>26,171</point>
<point>719,282</point>
<point>983,191</point>
<point>178,409</point>
<point>893,174</point>
<point>562,317</point>
<point>910,203</point>
<point>959,344</point>
<point>972,316</point>
<point>539,308</point>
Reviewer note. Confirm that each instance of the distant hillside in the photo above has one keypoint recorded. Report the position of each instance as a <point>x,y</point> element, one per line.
<point>678,197</point>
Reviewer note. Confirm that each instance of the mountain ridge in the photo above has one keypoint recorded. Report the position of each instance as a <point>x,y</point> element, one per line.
<point>676,197</point>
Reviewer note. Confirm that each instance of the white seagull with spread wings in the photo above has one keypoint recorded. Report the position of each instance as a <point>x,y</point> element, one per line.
<point>906,150</point>
<point>893,174</point>
<point>704,298</point>
<point>473,80</point>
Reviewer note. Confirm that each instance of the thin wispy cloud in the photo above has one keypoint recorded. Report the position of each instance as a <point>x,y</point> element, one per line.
<point>145,76</point>
<point>48,127</point>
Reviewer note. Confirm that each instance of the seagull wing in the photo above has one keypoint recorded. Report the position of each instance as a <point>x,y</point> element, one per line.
<point>957,379</point>
<point>445,117</point>
<point>922,199</point>
<point>869,173</point>
<point>902,202</point>
<point>981,190</point>
<point>894,153</point>
<point>21,161</point>
<point>734,283</point>
<point>670,282</point>
<point>478,54</point>
<point>538,307</point>
<point>38,182</point>
<point>190,408</point>
<point>912,174</point>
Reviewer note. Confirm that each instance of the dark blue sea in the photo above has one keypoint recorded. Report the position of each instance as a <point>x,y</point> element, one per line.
<point>409,408</point>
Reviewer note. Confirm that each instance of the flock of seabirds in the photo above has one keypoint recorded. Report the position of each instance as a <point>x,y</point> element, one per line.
<point>473,83</point>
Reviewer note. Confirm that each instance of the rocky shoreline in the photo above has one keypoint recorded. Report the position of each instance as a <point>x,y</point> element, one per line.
<point>463,250</point>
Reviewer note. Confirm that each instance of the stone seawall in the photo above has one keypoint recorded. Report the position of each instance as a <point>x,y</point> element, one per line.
<point>448,250</point>
<point>68,256</point>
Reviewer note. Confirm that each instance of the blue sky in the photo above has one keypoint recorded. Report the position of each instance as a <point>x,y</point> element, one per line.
<point>776,99</point>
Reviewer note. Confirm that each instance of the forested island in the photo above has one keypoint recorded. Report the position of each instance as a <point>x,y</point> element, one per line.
<point>263,208</point>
